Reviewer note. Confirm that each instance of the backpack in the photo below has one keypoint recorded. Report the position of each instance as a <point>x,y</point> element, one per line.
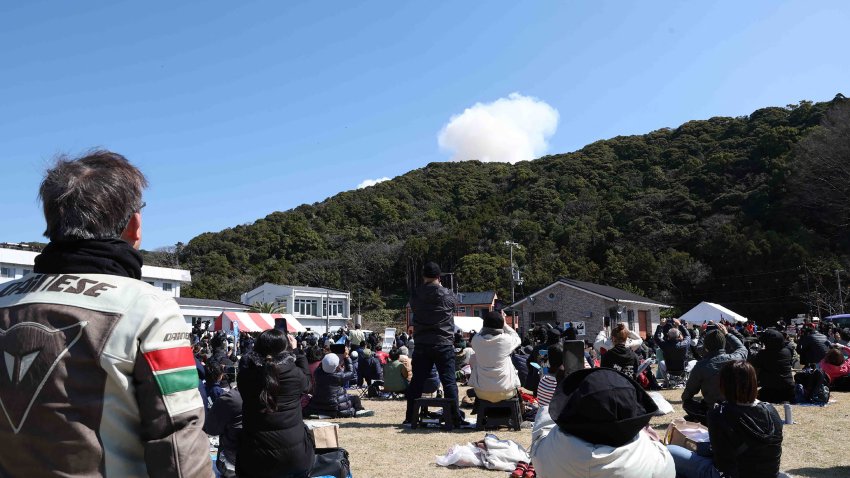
<point>811,386</point>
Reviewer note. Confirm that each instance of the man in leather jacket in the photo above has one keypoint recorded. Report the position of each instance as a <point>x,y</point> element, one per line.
<point>433,323</point>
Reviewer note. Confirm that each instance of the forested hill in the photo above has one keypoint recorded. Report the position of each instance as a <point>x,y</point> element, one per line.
<point>751,212</point>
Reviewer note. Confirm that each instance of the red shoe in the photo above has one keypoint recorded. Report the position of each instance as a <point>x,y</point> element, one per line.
<point>529,472</point>
<point>521,469</point>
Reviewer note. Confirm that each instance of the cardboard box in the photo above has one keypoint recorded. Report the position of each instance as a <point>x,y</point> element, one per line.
<point>689,435</point>
<point>325,434</point>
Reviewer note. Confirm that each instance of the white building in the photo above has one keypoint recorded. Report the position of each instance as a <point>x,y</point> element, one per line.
<point>207,310</point>
<point>17,260</point>
<point>314,307</point>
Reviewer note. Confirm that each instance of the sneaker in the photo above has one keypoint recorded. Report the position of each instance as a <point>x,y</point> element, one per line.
<point>364,413</point>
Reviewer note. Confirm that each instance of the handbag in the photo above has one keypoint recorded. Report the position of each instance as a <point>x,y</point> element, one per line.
<point>331,463</point>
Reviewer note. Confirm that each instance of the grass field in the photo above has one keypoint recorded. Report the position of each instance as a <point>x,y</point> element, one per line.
<point>817,446</point>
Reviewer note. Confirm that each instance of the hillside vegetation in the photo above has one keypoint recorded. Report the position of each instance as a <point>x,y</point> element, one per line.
<point>751,212</point>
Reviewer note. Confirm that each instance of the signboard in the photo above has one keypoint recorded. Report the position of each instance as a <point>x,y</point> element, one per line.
<point>389,338</point>
<point>579,326</point>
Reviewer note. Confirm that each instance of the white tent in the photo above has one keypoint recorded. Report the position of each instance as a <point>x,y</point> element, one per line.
<point>705,311</point>
<point>468,324</point>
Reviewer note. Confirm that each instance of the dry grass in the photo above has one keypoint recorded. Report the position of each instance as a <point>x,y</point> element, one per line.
<point>816,446</point>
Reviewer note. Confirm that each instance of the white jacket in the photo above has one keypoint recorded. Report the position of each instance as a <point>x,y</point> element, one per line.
<point>492,369</point>
<point>604,341</point>
<point>555,454</point>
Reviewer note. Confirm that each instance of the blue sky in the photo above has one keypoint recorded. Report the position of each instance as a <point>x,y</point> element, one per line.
<point>238,109</point>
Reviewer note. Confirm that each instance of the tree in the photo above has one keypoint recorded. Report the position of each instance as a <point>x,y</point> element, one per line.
<point>267,308</point>
<point>821,178</point>
<point>480,272</point>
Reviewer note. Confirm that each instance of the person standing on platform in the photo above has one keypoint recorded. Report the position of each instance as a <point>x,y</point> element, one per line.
<point>433,323</point>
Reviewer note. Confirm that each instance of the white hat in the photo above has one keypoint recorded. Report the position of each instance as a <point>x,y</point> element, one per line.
<point>330,363</point>
<point>353,354</point>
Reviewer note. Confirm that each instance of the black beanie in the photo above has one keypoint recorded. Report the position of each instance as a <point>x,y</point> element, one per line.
<point>494,320</point>
<point>714,340</point>
<point>431,270</point>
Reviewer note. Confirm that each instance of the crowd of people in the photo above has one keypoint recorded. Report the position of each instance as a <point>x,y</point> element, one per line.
<point>133,404</point>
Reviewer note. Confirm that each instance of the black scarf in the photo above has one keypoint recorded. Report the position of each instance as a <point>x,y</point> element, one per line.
<point>90,256</point>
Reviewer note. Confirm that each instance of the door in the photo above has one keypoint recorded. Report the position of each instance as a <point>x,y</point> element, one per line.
<point>643,323</point>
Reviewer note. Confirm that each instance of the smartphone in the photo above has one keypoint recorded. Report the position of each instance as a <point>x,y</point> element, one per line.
<point>338,349</point>
<point>573,356</point>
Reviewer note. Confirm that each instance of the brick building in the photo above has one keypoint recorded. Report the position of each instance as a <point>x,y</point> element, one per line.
<point>568,300</point>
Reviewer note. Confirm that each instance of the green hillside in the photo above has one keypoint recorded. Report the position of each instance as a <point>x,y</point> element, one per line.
<point>750,212</point>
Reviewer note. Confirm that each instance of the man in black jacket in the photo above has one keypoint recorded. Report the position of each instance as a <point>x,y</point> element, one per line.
<point>676,348</point>
<point>225,420</point>
<point>773,365</point>
<point>433,323</point>
<point>812,347</point>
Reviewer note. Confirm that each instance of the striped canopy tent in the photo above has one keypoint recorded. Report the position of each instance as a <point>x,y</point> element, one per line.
<point>255,322</point>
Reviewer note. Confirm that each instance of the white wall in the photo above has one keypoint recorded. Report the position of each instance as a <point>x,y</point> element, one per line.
<point>21,261</point>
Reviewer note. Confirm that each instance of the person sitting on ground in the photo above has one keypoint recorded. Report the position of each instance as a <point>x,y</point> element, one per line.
<point>463,354</point>
<point>520,360</point>
<point>381,355</point>
<point>329,396</point>
<point>225,421</point>
<point>274,440</point>
<point>354,356</point>
<point>597,425</point>
<point>554,374</point>
<point>812,346</point>
<point>214,382</point>
<point>369,368</point>
<point>396,376</point>
<point>603,341</point>
<point>620,358</point>
<point>720,348</point>
<point>493,376</point>
<point>314,361</point>
<point>836,365</point>
<point>773,366</point>
<point>404,358</point>
<point>675,350</point>
<point>745,434</point>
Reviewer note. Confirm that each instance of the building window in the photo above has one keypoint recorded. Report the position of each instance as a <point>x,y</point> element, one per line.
<point>7,272</point>
<point>306,307</point>
<point>548,316</point>
<point>166,286</point>
<point>336,308</point>
<point>150,282</point>
<point>461,310</point>
<point>281,306</point>
<point>27,271</point>
<point>631,316</point>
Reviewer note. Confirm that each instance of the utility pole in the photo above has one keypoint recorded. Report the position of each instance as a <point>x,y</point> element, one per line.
<point>840,299</point>
<point>515,277</point>
<point>328,311</point>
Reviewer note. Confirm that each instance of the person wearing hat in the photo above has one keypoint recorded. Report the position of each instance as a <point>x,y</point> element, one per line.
<point>463,356</point>
<point>433,322</point>
<point>329,396</point>
<point>773,365</point>
<point>493,376</point>
<point>720,347</point>
<point>596,425</point>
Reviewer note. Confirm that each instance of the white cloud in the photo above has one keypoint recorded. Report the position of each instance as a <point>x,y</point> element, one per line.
<point>371,182</point>
<point>509,130</point>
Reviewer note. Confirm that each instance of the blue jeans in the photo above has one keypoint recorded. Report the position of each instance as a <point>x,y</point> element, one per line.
<point>425,357</point>
<point>691,465</point>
